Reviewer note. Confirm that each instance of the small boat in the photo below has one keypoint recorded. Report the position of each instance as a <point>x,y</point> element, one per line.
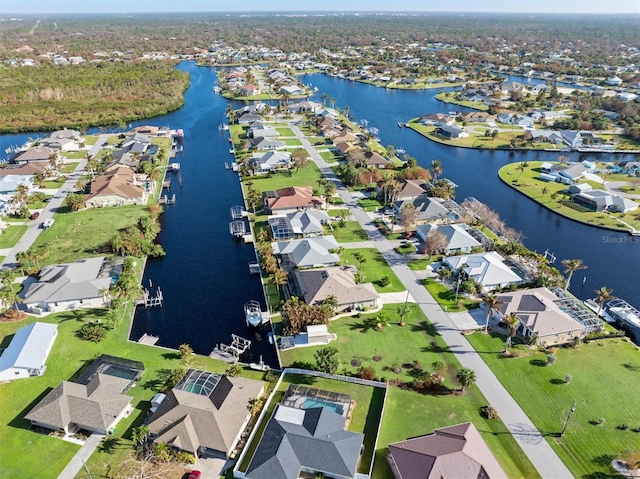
<point>253,315</point>
<point>399,124</point>
<point>259,366</point>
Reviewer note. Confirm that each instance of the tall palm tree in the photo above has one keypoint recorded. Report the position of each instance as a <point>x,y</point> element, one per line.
<point>521,167</point>
<point>602,296</point>
<point>330,189</point>
<point>493,304</point>
<point>436,169</point>
<point>512,322</point>
<point>570,267</point>
<point>324,99</point>
<point>279,278</point>
<point>140,434</point>
<point>466,377</point>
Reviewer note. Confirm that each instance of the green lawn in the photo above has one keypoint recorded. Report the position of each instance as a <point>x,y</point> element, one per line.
<point>308,175</point>
<point>19,446</point>
<point>54,184</point>
<point>292,142</point>
<point>284,131</point>
<point>374,268</point>
<point>409,413</point>
<point>352,231</point>
<point>604,384</point>
<point>69,167</point>
<point>75,155</point>
<point>338,212</point>
<point>85,233</point>
<point>330,156</point>
<point>422,263</point>
<point>11,235</point>
<point>446,297</point>
<point>370,204</point>
<point>91,139</point>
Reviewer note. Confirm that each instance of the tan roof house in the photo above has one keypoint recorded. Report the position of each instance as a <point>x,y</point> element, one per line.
<point>34,154</point>
<point>205,414</point>
<point>289,200</point>
<point>450,452</point>
<point>118,187</point>
<point>376,160</point>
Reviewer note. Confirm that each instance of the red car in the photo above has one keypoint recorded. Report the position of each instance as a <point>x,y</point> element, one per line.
<point>195,475</point>
<point>35,215</point>
<point>318,143</point>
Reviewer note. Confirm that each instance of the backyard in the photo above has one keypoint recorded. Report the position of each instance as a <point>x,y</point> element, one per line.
<point>373,268</point>
<point>603,381</point>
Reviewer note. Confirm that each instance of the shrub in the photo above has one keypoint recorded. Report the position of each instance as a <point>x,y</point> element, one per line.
<point>551,359</point>
<point>384,281</point>
<point>366,372</point>
<point>186,457</point>
<point>417,365</point>
<point>489,412</point>
<point>601,421</point>
<point>567,378</point>
<point>92,332</point>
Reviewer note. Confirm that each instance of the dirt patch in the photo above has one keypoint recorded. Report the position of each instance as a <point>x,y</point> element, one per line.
<point>377,359</point>
<point>12,317</point>
<point>356,363</point>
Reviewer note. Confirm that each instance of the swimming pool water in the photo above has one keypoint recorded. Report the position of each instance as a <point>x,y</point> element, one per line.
<point>309,403</point>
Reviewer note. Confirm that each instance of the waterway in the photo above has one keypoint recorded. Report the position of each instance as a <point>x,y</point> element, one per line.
<point>612,259</point>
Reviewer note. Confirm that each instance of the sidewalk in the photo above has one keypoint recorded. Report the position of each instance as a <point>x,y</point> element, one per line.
<point>81,457</point>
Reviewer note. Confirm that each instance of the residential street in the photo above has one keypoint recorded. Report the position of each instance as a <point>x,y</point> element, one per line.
<point>540,453</point>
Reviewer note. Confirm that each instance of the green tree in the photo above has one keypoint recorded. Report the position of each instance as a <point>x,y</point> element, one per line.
<point>493,304</point>
<point>570,267</point>
<point>466,377</point>
<point>328,360</point>
<point>233,370</point>
<point>76,201</point>
<point>512,322</point>
<point>602,296</point>
<point>140,434</point>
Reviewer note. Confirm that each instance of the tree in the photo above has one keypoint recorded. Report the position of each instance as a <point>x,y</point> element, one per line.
<point>435,242</point>
<point>521,168</point>
<point>76,201</point>
<point>570,267</point>
<point>330,189</point>
<point>382,320</point>
<point>512,322</point>
<point>402,312</point>
<point>466,377</point>
<point>186,354</point>
<point>328,360</point>
<point>233,371</point>
<point>408,215</point>
<point>140,434</point>
<point>436,169</point>
<point>602,296</point>
<point>255,405</point>
<point>493,304</point>
<point>330,302</point>
<point>279,278</point>
<point>299,157</point>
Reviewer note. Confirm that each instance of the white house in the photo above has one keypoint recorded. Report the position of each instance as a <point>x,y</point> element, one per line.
<point>487,269</point>
<point>26,354</point>
<point>272,160</point>
<point>458,239</point>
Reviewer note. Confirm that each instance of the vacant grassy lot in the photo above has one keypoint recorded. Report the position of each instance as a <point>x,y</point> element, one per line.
<point>409,413</point>
<point>11,235</point>
<point>28,454</point>
<point>605,376</point>
<point>373,268</point>
<point>370,204</point>
<point>446,297</point>
<point>85,233</point>
<point>308,175</point>
<point>352,231</point>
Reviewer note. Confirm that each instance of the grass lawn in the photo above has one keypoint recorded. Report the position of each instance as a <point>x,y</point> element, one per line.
<point>75,155</point>
<point>11,235</point>
<point>370,204</point>
<point>604,383</point>
<point>338,212</point>
<point>473,141</point>
<point>19,447</point>
<point>422,263</point>
<point>54,184</point>
<point>69,167</point>
<point>85,233</point>
<point>365,417</point>
<point>447,297</point>
<point>352,231</point>
<point>284,131</point>
<point>330,156</point>
<point>409,413</point>
<point>292,142</point>
<point>374,268</point>
<point>308,175</point>
<point>91,140</point>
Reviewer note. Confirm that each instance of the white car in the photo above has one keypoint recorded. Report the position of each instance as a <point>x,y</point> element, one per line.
<point>47,223</point>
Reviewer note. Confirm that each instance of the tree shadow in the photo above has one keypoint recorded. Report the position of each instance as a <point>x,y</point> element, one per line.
<point>153,384</point>
<point>557,381</point>
<point>538,362</point>
<point>367,324</point>
<point>171,356</point>
<point>631,367</point>
<point>603,460</point>
<point>110,444</point>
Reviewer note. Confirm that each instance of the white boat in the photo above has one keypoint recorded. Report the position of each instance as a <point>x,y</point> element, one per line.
<point>253,315</point>
<point>259,366</point>
<point>594,306</point>
<point>626,315</point>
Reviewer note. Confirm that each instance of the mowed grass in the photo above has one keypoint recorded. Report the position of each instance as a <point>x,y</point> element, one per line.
<point>85,233</point>
<point>605,377</point>
<point>373,268</point>
<point>409,413</point>
<point>11,235</point>
<point>446,296</point>
<point>352,231</point>
<point>308,175</point>
<point>27,454</point>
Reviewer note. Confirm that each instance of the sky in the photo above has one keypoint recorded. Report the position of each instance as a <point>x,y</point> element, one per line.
<point>135,6</point>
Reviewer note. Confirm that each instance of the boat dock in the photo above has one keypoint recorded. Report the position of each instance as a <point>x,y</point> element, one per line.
<point>165,200</point>
<point>233,166</point>
<point>148,339</point>
<point>254,268</point>
<point>231,353</point>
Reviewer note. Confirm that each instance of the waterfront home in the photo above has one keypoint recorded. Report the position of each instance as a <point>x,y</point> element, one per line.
<point>27,353</point>
<point>291,199</point>
<point>300,439</point>
<point>301,224</point>
<point>407,189</point>
<point>376,160</point>
<point>94,402</point>
<point>487,269</point>
<point>451,132</point>
<point>118,187</point>
<point>316,285</point>
<point>64,140</point>
<point>249,90</point>
<point>346,136</point>
<point>343,147</point>
<point>437,119</point>
<point>205,414</point>
<point>270,161</point>
<point>629,167</point>
<point>248,117</point>
<point>24,169</point>
<point>262,131</point>
<point>268,144</point>
<point>67,286</point>
<point>544,317</point>
<point>478,117</point>
<point>577,139</point>
<point>543,136</point>
<point>305,106</point>
<point>39,154</point>
<point>9,184</point>
<point>428,209</point>
<point>291,90</point>
<point>599,200</point>
<point>452,451</point>
<point>458,240</point>
<point>303,253</point>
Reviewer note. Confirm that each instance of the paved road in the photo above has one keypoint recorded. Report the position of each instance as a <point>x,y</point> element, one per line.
<point>83,454</point>
<point>532,442</point>
<point>50,208</point>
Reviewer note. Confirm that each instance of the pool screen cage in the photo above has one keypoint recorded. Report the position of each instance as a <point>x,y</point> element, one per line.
<point>199,382</point>
<point>297,390</point>
<point>112,366</point>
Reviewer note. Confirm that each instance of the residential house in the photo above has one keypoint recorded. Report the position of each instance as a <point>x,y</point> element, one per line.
<point>451,132</point>
<point>270,161</point>
<point>577,139</point>
<point>626,96</point>
<point>249,90</point>
<point>118,187</point>
<point>457,236</point>
<point>301,224</point>
<point>27,353</point>
<point>316,285</point>
<point>478,117</point>
<point>600,200</point>
<point>343,147</point>
<point>262,131</point>
<point>66,286</point>
<point>305,106</point>
<point>289,200</point>
<point>9,184</point>
<point>65,140</point>
<point>543,136</point>
<point>487,269</point>
<point>346,136</point>
<point>573,172</point>
<point>205,414</point>
<point>613,81</point>
<point>297,441</point>
<point>450,452</point>
<point>96,406</point>
<point>268,144</point>
<point>291,90</point>
<point>437,119</point>
<point>542,316</point>
<point>39,154</point>
<point>303,253</point>
<point>24,169</point>
<point>427,209</point>
<point>407,189</point>
<point>249,117</point>
<point>376,160</point>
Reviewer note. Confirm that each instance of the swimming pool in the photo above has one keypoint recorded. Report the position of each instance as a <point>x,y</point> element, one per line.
<point>311,402</point>
<point>120,372</point>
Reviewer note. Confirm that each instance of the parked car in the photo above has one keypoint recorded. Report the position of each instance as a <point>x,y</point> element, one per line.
<point>195,475</point>
<point>35,215</point>
<point>318,143</point>
<point>47,223</point>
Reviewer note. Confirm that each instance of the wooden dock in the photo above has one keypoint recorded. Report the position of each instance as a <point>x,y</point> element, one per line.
<point>231,353</point>
<point>148,339</point>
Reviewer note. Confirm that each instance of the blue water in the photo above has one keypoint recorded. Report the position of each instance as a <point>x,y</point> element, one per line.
<point>309,403</point>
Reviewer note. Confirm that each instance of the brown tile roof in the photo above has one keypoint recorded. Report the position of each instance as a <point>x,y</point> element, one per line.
<point>34,154</point>
<point>409,188</point>
<point>339,281</point>
<point>450,452</point>
<point>24,169</point>
<point>292,198</point>
<point>119,182</point>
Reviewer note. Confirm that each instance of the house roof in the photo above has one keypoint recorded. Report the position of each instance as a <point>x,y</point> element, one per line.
<point>450,452</point>
<point>292,198</point>
<point>267,143</point>
<point>457,236</point>
<point>375,159</point>
<point>426,207</point>
<point>313,439</point>
<point>29,347</point>
<point>339,281</point>
<point>308,252</point>
<point>119,182</point>
<point>272,159</point>
<point>68,282</point>
<point>213,419</point>
<point>92,406</point>
<point>537,310</point>
<point>488,269</point>
<point>412,188</point>
<point>34,154</point>
<point>24,169</point>
<point>301,222</point>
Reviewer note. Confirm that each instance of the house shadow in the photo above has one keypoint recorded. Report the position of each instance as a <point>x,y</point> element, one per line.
<point>143,407</point>
<point>19,422</point>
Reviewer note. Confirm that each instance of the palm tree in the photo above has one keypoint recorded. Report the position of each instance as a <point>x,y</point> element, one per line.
<point>570,267</point>
<point>255,405</point>
<point>436,169</point>
<point>279,278</point>
<point>332,102</point>
<point>324,98</point>
<point>602,296</point>
<point>330,189</point>
<point>140,434</point>
<point>466,377</point>
<point>512,322</point>
<point>382,320</point>
<point>493,304</point>
<point>521,167</point>
<point>402,312</point>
